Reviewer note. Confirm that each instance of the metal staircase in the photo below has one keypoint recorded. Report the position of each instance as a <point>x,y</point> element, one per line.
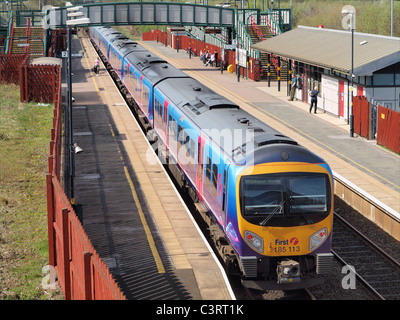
<point>27,40</point>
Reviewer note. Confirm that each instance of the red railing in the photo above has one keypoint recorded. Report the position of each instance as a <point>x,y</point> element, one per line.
<point>256,29</point>
<point>196,46</point>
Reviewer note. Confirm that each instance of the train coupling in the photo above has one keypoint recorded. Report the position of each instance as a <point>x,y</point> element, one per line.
<point>288,271</point>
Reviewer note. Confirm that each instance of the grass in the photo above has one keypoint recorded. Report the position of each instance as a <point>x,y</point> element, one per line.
<point>24,147</point>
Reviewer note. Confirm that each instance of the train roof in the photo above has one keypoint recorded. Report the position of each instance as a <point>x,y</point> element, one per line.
<point>241,136</point>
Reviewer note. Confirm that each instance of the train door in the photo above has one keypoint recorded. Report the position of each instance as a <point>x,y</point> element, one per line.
<point>200,166</point>
<point>341,98</point>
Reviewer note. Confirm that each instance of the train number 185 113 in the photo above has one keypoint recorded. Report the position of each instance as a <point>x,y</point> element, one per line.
<point>287,249</point>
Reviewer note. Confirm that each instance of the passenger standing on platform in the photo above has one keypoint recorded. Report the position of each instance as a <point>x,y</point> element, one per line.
<point>212,59</point>
<point>96,67</point>
<point>207,58</point>
<point>293,88</point>
<point>216,57</point>
<point>314,94</point>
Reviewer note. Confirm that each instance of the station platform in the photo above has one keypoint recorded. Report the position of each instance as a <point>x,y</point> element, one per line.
<point>131,211</point>
<point>361,163</point>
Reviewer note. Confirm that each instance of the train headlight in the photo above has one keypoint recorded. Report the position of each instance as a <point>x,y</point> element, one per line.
<point>317,238</point>
<point>254,241</point>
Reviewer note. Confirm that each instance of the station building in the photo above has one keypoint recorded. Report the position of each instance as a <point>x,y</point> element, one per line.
<point>323,58</point>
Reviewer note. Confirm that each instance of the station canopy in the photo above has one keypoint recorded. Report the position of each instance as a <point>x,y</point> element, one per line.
<point>331,49</point>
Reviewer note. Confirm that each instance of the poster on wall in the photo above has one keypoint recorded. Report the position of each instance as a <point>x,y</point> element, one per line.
<point>242,57</point>
<point>330,94</point>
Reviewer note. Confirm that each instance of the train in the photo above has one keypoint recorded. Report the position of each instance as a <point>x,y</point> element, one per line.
<point>267,200</point>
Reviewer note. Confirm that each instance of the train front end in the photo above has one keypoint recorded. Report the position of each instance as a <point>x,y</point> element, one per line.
<point>284,218</point>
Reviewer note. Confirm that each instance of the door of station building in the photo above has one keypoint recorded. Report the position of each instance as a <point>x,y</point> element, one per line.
<point>341,98</point>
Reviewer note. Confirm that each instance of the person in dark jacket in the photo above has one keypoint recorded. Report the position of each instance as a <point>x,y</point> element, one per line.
<point>314,94</point>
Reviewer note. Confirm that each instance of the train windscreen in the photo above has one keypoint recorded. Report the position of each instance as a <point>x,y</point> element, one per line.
<point>285,200</point>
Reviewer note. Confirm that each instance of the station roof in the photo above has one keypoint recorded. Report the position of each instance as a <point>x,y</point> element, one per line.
<point>328,48</point>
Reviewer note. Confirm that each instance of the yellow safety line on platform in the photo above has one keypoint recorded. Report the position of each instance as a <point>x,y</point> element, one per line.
<point>271,115</point>
<point>146,227</point>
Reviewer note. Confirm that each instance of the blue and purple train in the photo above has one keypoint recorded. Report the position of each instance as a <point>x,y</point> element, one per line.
<point>268,201</point>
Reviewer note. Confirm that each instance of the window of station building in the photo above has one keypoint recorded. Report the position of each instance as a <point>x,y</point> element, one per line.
<point>397,79</point>
<point>383,79</point>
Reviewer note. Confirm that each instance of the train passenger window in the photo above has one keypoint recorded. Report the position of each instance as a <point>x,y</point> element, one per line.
<point>192,146</point>
<point>145,98</point>
<point>179,137</point>
<point>172,127</point>
<point>224,192</point>
<point>187,139</point>
<point>208,173</point>
<point>214,180</point>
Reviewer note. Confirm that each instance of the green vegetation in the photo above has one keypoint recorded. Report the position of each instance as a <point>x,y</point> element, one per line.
<point>24,148</point>
<point>371,16</point>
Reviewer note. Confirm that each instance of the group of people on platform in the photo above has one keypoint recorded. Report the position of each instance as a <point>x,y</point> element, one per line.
<point>297,82</point>
<point>208,58</point>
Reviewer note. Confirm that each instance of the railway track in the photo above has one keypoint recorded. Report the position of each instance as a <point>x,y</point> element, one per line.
<point>378,271</point>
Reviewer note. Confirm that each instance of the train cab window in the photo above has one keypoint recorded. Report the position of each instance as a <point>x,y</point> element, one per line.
<point>285,200</point>
<point>214,180</point>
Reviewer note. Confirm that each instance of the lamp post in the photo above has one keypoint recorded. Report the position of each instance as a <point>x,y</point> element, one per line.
<point>73,12</point>
<point>351,13</point>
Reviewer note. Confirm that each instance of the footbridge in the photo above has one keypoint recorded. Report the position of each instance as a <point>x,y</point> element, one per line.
<point>142,13</point>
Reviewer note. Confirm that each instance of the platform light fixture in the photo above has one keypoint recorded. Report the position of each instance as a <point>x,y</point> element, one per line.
<point>72,14</point>
<point>352,76</point>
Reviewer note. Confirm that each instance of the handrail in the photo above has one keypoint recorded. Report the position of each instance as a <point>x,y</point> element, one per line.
<point>256,29</point>
<point>27,34</point>
<point>10,34</point>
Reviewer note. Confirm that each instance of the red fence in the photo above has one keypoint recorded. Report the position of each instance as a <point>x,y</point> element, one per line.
<point>253,70</point>
<point>387,123</point>
<point>362,117</point>
<point>10,67</point>
<point>81,273</point>
<point>388,133</point>
<point>37,82</point>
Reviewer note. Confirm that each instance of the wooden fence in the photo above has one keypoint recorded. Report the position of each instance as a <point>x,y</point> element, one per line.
<point>81,273</point>
<point>386,121</point>
<point>10,67</point>
<point>388,132</point>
